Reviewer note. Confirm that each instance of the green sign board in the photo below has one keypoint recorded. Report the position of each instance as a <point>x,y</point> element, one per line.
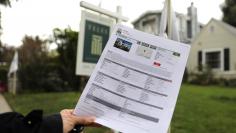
<point>95,38</point>
<point>94,33</point>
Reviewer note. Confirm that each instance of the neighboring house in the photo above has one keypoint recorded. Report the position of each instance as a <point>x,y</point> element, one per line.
<point>187,24</point>
<point>214,46</point>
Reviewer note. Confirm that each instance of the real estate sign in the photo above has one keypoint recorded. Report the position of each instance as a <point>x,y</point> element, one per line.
<point>93,36</point>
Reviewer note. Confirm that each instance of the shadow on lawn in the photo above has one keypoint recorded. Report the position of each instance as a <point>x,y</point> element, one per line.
<point>224,99</point>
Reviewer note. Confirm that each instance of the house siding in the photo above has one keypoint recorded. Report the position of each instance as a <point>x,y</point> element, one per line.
<point>213,36</point>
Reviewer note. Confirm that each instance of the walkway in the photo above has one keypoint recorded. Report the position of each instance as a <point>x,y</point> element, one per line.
<point>4,107</point>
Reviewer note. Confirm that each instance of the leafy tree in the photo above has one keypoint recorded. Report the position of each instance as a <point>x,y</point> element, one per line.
<point>32,50</point>
<point>37,71</point>
<point>6,54</point>
<point>229,11</point>
<point>3,70</point>
<point>66,41</point>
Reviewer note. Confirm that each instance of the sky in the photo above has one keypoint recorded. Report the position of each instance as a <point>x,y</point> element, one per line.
<point>40,17</point>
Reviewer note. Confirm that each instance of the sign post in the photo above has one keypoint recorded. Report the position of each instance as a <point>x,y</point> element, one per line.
<point>94,33</point>
<point>95,30</point>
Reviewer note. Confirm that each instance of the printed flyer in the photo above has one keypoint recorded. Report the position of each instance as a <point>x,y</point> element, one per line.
<point>135,84</point>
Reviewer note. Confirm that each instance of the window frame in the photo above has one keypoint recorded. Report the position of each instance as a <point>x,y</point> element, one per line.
<point>221,50</point>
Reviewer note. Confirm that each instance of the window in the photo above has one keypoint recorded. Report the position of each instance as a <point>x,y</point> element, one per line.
<point>213,59</point>
<point>212,29</point>
<point>189,29</point>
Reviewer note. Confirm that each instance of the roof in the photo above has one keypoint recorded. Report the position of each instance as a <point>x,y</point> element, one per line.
<point>146,14</point>
<point>151,12</point>
<point>226,26</point>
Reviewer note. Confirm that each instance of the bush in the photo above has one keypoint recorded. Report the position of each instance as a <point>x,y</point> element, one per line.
<point>3,79</point>
<point>229,82</point>
<point>40,77</point>
<point>205,77</point>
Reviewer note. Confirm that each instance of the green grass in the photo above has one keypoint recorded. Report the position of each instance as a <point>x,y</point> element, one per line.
<point>199,109</point>
<point>50,103</point>
<point>208,109</point>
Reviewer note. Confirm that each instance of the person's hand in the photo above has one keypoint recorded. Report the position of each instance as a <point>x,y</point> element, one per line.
<point>69,120</point>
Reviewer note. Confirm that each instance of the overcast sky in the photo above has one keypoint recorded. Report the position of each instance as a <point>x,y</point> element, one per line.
<point>40,17</point>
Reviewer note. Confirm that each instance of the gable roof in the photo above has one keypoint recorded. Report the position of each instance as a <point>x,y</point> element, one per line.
<point>146,14</point>
<point>227,26</point>
<point>224,25</point>
<point>154,12</point>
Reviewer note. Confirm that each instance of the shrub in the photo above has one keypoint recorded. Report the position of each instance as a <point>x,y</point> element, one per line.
<point>3,74</point>
<point>40,77</point>
<point>205,77</point>
<point>229,82</point>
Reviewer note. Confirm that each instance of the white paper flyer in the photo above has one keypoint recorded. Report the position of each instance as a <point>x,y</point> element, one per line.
<point>135,84</point>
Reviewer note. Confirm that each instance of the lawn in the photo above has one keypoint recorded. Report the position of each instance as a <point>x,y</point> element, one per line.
<point>50,103</point>
<point>209,109</point>
<point>199,109</point>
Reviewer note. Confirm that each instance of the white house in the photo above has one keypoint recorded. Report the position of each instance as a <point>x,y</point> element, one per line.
<point>214,46</point>
<point>188,24</point>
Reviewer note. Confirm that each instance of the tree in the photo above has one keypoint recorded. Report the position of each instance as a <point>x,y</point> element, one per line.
<point>229,11</point>
<point>32,50</point>
<point>6,54</point>
<point>66,41</point>
<point>37,70</point>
